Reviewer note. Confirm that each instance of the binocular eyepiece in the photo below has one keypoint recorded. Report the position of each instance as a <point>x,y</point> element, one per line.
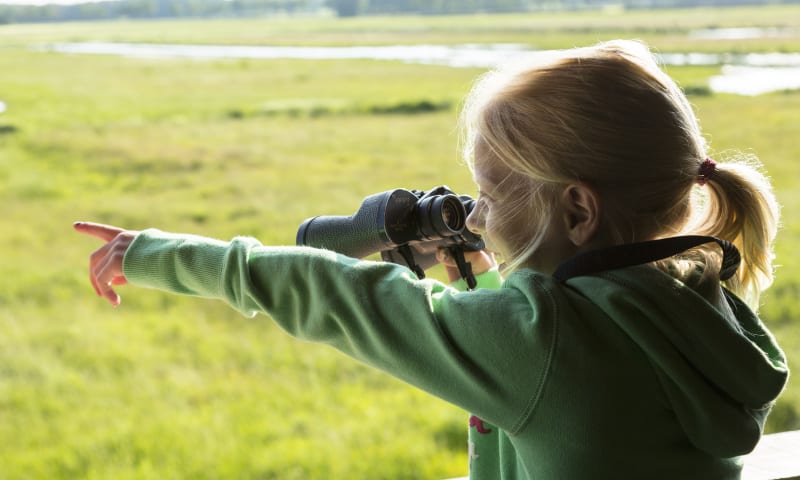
<point>405,226</point>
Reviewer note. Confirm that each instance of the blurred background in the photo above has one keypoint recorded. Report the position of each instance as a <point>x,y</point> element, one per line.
<point>244,117</point>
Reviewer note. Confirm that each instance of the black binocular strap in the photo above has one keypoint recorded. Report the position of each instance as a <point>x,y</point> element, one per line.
<point>630,254</point>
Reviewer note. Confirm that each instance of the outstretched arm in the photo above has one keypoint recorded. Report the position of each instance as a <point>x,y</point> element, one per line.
<point>105,264</point>
<point>448,343</point>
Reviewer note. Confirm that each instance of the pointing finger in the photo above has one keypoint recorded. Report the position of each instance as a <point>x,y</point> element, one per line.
<point>99,230</point>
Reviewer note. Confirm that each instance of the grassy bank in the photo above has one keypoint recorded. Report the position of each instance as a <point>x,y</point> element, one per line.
<point>167,387</point>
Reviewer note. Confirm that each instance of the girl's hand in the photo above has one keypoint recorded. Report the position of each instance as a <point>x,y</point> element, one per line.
<point>482,261</point>
<point>105,264</point>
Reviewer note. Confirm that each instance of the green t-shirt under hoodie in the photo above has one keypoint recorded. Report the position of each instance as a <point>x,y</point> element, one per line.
<point>624,374</point>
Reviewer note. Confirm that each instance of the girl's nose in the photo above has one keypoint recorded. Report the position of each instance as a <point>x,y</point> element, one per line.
<point>475,219</point>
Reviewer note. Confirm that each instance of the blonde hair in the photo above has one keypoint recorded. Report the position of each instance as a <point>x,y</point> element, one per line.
<point>608,116</point>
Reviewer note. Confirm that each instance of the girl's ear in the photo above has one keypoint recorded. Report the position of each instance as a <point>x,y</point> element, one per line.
<point>581,213</point>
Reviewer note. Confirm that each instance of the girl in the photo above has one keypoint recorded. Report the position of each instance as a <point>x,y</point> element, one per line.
<point>623,341</point>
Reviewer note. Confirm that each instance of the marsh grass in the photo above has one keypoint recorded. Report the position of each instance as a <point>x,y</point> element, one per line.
<point>171,387</point>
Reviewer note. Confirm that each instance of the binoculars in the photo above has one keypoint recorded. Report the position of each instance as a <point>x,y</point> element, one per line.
<point>407,227</point>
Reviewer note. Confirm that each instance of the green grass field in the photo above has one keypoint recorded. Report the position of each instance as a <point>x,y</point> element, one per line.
<point>169,387</point>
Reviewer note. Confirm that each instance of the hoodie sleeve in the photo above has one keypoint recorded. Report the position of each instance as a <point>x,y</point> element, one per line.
<point>425,333</point>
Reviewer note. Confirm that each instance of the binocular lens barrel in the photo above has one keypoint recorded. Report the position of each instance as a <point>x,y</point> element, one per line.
<point>389,220</point>
<point>441,216</point>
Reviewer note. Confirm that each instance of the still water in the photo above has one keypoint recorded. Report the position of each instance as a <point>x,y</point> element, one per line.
<point>743,74</point>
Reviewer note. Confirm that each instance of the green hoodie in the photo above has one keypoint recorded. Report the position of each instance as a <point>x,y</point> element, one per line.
<point>625,374</point>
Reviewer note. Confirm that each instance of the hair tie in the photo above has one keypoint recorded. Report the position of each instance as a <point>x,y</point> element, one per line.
<point>707,169</point>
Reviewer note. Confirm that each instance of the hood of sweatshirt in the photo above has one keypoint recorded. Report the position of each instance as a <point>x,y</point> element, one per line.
<point>720,367</point>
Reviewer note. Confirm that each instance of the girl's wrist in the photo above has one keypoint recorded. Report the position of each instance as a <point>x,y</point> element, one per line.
<point>481,261</point>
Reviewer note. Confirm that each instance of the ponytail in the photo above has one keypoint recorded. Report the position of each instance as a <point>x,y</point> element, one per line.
<point>736,203</point>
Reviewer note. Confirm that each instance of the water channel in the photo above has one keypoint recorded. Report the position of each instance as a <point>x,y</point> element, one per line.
<point>743,74</point>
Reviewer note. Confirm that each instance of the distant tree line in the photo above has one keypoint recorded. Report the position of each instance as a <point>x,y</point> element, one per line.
<point>142,9</point>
